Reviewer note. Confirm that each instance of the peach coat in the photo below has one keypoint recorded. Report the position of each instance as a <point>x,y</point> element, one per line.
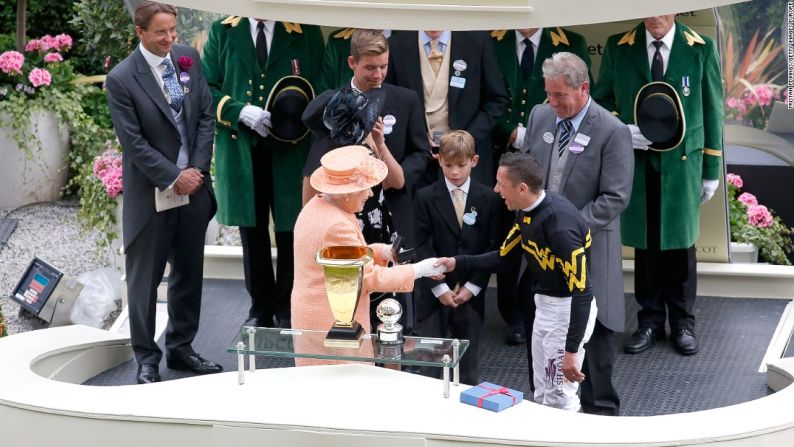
<point>321,224</point>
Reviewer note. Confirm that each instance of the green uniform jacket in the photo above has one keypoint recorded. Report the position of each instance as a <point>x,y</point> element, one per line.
<point>526,95</point>
<point>336,72</point>
<point>235,79</point>
<point>624,70</point>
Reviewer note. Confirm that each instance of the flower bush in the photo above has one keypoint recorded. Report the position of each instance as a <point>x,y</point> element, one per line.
<point>754,223</point>
<point>30,74</point>
<point>98,192</point>
<point>750,88</point>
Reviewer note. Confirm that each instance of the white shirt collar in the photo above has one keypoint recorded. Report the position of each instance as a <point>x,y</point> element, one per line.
<point>577,120</point>
<point>269,26</point>
<point>537,202</point>
<point>464,187</point>
<point>667,39</point>
<point>152,59</point>
<point>443,40</point>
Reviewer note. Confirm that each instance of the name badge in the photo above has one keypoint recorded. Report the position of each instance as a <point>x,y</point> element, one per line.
<point>387,129</point>
<point>457,82</point>
<point>576,148</point>
<point>471,217</point>
<point>582,139</point>
<point>548,137</point>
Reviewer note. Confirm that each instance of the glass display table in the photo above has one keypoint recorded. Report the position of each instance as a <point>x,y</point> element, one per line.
<point>416,351</point>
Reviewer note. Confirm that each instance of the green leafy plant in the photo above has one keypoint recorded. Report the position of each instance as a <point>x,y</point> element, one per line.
<point>753,223</point>
<point>109,30</point>
<point>3,330</point>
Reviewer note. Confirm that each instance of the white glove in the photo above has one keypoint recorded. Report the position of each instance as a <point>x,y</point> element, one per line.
<point>638,139</point>
<point>424,268</point>
<point>709,188</point>
<point>256,119</point>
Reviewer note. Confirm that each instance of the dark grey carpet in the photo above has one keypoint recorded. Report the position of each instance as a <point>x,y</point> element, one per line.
<point>733,334</point>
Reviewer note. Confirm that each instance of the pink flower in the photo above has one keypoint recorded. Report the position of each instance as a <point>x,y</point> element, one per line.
<point>33,45</point>
<point>11,62</point>
<point>39,77</point>
<point>48,42</point>
<point>759,216</point>
<point>63,41</point>
<point>747,199</point>
<point>735,180</point>
<point>53,58</point>
<point>185,63</point>
<point>764,94</point>
<point>733,103</point>
<point>107,168</point>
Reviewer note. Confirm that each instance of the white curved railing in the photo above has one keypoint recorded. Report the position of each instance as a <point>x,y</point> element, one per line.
<point>42,404</point>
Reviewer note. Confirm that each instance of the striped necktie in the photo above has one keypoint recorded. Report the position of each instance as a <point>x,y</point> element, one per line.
<point>564,128</point>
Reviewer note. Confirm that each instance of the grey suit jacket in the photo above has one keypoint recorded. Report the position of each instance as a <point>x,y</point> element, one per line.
<point>598,182</point>
<point>148,134</point>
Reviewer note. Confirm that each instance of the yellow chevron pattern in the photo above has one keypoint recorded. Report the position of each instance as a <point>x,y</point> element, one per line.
<point>512,239</point>
<point>544,256</point>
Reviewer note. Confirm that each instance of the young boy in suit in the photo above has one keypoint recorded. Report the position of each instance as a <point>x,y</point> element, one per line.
<point>455,216</point>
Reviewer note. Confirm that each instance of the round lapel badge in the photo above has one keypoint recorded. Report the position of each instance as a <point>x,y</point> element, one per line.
<point>184,77</point>
<point>548,137</point>
<point>389,120</point>
<point>459,65</point>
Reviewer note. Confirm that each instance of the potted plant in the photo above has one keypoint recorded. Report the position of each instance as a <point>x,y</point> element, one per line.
<point>755,224</point>
<point>37,103</point>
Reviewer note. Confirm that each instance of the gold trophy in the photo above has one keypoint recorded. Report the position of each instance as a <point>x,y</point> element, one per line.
<point>344,271</point>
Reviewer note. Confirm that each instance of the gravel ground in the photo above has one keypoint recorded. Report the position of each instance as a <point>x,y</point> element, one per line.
<point>51,232</point>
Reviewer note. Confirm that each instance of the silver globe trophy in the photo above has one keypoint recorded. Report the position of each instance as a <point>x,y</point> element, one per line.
<point>390,332</point>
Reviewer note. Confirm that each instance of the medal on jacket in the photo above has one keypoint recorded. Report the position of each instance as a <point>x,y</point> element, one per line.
<point>685,85</point>
<point>470,217</point>
<point>459,65</point>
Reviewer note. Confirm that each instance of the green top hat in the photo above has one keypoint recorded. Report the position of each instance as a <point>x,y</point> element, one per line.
<point>660,116</point>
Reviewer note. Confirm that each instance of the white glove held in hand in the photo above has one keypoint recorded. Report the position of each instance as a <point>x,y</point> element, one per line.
<point>638,139</point>
<point>708,190</point>
<point>424,268</point>
<point>257,119</point>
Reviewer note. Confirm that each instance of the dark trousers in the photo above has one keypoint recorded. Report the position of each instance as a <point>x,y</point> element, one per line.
<point>270,291</point>
<point>507,300</point>
<point>598,393</point>
<point>464,323</point>
<point>175,236</point>
<point>665,281</point>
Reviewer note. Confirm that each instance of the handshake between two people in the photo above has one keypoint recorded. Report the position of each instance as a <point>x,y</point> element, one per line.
<point>435,268</point>
<point>257,119</point>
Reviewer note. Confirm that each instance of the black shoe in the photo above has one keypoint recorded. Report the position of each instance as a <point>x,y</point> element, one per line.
<point>685,342</point>
<point>642,340</point>
<point>253,321</point>
<point>192,362</point>
<point>148,373</point>
<point>515,339</point>
<point>283,320</point>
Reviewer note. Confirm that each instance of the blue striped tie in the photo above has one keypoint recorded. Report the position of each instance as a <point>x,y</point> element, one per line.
<point>564,130</point>
<point>172,85</point>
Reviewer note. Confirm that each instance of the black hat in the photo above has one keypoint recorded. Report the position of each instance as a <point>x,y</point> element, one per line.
<point>345,115</point>
<point>286,103</point>
<point>660,116</point>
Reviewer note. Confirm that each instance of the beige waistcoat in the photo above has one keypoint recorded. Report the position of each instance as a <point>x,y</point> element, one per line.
<point>435,90</point>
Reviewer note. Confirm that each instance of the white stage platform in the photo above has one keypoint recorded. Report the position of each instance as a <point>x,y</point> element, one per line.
<point>41,404</point>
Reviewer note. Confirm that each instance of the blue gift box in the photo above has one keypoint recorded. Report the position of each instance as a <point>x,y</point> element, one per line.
<point>491,397</point>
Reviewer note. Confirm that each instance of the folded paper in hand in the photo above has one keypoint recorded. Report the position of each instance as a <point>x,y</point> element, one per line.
<point>167,199</point>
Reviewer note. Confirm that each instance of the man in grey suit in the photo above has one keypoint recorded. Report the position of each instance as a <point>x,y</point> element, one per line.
<point>160,106</point>
<point>587,156</point>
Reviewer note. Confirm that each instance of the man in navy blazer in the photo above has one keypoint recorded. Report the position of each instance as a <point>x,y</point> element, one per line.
<point>476,95</point>
<point>160,106</point>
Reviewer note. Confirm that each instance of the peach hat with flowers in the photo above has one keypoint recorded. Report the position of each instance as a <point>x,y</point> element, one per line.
<point>348,169</point>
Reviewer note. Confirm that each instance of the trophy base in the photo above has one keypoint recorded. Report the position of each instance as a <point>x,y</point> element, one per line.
<point>344,337</point>
<point>390,351</point>
<point>390,336</point>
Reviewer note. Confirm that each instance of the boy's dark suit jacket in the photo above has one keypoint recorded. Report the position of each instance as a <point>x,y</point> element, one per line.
<point>438,234</point>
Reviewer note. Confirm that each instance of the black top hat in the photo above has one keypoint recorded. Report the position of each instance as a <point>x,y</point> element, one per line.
<point>660,116</point>
<point>345,115</point>
<point>286,103</point>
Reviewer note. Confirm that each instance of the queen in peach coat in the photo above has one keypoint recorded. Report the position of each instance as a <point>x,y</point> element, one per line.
<point>344,181</point>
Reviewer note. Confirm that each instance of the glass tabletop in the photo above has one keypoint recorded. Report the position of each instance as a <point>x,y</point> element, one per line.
<point>276,342</point>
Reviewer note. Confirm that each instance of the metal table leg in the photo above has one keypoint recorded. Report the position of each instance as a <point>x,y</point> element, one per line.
<point>240,363</point>
<point>252,357</point>
<point>456,360</point>
<point>446,369</point>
